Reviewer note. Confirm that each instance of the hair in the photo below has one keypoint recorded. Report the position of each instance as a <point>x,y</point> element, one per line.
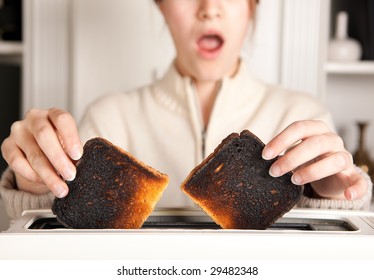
<point>253,7</point>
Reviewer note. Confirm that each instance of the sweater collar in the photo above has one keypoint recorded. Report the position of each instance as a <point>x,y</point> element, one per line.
<point>174,90</point>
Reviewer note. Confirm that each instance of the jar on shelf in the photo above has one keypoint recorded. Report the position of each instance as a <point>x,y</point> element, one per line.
<point>342,48</point>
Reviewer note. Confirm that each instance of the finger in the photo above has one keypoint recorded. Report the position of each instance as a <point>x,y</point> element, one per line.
<point>333,164</point>
<point>355,192</point>
<point>67,130</point>
<point>308,150</point>
<point>42,166</point>
<point>358,185</point>
<point>46,138</point>
<point>17,161</point>
<point>291,135</point>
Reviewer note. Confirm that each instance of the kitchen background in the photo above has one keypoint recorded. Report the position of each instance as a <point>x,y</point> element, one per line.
<point>66,53</point>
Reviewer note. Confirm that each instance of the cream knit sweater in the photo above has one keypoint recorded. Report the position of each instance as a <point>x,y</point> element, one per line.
<point>161,125</point>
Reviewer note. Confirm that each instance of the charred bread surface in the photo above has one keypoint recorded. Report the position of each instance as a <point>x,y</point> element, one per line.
<point>233,185</point>
<point>112,189</point>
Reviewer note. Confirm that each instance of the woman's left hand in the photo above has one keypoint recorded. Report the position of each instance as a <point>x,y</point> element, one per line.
<point>316,155</point>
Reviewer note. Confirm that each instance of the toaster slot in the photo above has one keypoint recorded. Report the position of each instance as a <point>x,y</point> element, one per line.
<point>205,223</point>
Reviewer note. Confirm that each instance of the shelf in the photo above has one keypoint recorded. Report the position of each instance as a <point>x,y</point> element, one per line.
<point>11,48</point>
<point>355,68</point>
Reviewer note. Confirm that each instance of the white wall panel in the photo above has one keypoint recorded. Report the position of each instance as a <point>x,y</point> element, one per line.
<point>263,52</point>
<point>46,54</point>
<point>117,45</point>
<point>303,47</point>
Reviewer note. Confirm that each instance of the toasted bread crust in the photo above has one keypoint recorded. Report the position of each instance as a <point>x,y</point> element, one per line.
<point>233,186</point>
<point>112,189</point>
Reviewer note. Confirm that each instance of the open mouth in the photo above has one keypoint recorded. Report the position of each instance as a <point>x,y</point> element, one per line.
<point>210,43</point>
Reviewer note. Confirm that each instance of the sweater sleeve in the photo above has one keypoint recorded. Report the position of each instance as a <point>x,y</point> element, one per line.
<point>17,201</point>
<point>362,203</point>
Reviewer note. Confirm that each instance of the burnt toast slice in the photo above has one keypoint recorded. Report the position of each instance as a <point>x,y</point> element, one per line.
<point>233,186</point>
<point>112,189</point>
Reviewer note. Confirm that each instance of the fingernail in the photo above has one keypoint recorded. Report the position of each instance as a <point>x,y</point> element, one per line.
<point>267,153</point>
<point>274,171</point>
<point>60,191</point>
<point>296,179</point>
<point>76,152</point>
<point>69,174</point>
<point>353,195</point>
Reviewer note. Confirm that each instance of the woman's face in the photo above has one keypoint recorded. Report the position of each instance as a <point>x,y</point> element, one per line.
<point>208,35</point>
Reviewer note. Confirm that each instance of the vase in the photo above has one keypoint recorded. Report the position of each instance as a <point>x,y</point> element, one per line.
<point>342,48</point>
<point>361,157</point>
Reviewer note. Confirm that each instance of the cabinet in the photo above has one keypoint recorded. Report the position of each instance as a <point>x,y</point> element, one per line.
<point>10,77</point>
<point>349,87</point>
<point>10,49</point>
<point>345,88</point>
<point>44,54</point>
<point>10,66</point>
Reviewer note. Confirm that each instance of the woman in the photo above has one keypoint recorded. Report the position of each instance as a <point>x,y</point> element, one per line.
<point>176,122</point>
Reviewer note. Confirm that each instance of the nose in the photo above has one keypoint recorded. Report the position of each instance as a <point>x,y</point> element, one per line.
<point>209,9</point>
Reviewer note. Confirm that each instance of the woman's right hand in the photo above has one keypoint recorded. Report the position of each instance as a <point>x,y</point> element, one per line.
<point>41,149</point>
